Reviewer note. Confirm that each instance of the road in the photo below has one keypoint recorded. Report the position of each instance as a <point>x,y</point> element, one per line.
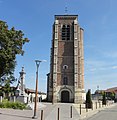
<point>106,114</point>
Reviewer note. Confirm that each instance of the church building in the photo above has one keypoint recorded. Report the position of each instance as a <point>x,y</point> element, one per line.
<point>65,82</point>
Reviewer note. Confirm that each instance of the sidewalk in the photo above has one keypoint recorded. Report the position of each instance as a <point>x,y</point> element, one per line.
<point>64,112</point>
<point>50,112</point>
<point>11,114</point>
<point>91,112</point>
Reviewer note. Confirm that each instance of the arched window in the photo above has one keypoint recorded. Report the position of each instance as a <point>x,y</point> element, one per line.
<point>65,81</point>
<point>65,67</point>
<point>66,32</point>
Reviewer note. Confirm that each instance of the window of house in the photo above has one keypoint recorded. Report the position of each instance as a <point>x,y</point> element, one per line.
<point>66,32</point>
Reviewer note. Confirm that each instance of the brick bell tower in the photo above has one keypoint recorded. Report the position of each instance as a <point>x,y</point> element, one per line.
<point>66,78</point>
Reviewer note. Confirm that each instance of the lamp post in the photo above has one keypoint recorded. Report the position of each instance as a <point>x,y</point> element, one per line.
<point>98,92</point>
<point>36,90</point>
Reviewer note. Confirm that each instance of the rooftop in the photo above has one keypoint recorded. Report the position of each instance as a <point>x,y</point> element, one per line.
<point>66,16</point>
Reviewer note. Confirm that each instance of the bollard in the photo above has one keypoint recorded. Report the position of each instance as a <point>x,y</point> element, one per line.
<point>99,105</point>
<point>27,100</point>
<point>80,109</point>
<point>96,105</point>
<point>41,114</point>
<point>14,99</point>
<point>58,114</point>
<point>92,105</point>
<point>0,98</point>
<point>86,107</point>
<point>71,112</point>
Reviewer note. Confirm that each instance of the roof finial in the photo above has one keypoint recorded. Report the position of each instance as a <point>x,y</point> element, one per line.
<point>66,8</point>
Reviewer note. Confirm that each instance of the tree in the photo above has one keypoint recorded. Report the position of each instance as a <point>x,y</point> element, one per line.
<point>104,99</point>
<point>88,99</point>
<point>111,95</point>
<point>11,44</point>
<point>7,89</point>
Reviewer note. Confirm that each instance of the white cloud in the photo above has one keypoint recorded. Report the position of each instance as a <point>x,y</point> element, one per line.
<point>114,67</point>
<point>111,54</point>
<point>93,69</point>
<point>95,64</point>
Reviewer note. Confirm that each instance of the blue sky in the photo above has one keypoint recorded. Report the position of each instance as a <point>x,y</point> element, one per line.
<point>98,18</point>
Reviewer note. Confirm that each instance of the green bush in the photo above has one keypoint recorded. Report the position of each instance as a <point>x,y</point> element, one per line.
<point>14,105</point>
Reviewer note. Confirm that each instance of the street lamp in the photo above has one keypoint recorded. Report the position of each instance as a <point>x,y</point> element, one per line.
<point>36,90</point>
<point>98,92</point>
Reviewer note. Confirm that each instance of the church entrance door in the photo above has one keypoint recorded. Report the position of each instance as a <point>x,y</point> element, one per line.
<point>65,96</point>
